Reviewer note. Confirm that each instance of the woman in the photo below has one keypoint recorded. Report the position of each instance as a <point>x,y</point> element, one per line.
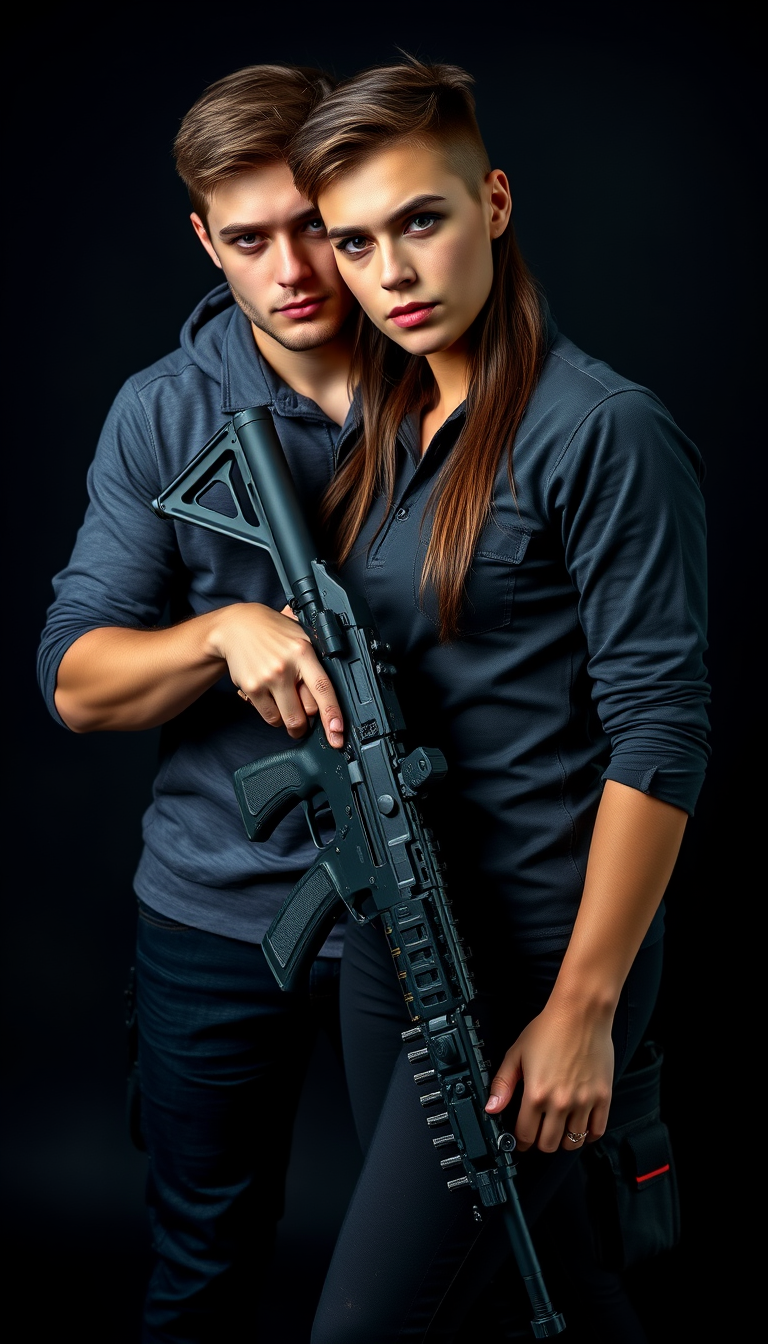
<point>528,528</point>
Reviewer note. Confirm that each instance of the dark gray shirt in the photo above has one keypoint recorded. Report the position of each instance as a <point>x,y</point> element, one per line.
<point>581,657</point>
<point>128,567</point>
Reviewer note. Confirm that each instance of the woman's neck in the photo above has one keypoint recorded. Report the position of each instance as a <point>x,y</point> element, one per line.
<point>450,369</point>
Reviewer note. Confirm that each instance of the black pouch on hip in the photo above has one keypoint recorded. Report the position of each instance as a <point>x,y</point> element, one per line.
<point>630,1173</point>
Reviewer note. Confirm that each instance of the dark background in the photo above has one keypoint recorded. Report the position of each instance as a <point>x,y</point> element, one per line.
<point>630,136</point>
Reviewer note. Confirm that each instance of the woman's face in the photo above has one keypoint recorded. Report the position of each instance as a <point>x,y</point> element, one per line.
<point>414,246</point>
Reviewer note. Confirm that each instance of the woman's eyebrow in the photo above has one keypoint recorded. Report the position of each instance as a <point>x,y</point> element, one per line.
<point>416,203</point>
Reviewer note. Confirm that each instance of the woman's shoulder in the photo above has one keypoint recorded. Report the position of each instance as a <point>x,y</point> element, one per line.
<point>581,383</point>
<point>582,406</point>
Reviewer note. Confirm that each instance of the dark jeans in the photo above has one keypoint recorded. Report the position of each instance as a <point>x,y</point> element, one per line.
<point>222,1058</point>
<point>411,1261</point>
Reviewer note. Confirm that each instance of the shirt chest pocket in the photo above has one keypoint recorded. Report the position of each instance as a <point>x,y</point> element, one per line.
<point>490,584</point>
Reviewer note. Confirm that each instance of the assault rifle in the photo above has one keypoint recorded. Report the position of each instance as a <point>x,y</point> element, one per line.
<point>382,860</point>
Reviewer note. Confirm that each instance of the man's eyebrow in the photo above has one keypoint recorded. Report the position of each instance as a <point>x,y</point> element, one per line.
<point>416,203</point>
<point>232,230</point>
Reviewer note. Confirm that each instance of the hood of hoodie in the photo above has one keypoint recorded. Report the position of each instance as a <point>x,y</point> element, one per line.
<point>218,338</point>
<point>202,336</point>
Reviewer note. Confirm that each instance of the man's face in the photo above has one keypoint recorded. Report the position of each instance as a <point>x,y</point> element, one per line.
<point>272,246</point>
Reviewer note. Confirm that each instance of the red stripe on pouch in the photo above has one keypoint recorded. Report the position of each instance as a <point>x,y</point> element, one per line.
<point>658,1172</point>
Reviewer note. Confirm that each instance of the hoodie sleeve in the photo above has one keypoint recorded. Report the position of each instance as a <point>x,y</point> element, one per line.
<point>628,494</point>
<point>120,570</point>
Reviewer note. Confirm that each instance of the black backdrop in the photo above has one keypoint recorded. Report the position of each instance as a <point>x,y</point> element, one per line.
<point>630,139</point>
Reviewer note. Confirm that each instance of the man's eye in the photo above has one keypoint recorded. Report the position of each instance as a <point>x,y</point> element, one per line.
<point>352,247</point>
<point>419,223</point>
<point>316,227</point>
<point>248,241</point>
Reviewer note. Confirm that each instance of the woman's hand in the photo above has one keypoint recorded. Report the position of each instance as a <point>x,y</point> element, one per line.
<point>274,666</point>
<point>565,1055</point>
<point>565,1060</point>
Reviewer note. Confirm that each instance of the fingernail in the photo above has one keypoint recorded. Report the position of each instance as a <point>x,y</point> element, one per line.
<point>335,725</point>
<point>492,1102</point>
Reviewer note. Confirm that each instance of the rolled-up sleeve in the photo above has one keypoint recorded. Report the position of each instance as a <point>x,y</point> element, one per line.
<point>123,560</point>
<point>628,492</point>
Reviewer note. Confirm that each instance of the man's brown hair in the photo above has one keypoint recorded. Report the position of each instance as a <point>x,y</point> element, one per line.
<point>243,120</point>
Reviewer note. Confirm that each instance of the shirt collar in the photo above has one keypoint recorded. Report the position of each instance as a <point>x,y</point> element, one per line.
<point>248,379</point>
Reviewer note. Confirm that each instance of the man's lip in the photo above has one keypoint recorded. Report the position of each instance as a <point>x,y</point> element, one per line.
<point>411,308</point>
<point>302,303</point>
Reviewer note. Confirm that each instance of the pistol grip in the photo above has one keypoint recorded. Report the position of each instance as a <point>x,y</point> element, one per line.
<point>267,790</point>
<point>301,926</point>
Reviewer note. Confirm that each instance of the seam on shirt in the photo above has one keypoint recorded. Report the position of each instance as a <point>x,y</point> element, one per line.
<point>556,354</point>
<point>150,430</point>
<point>167,373</point>
<point>332,447</point>
<point>564,774</point>
<point>620,391</point>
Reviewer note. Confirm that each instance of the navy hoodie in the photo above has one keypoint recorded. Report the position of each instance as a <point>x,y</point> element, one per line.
<point>130,568</point>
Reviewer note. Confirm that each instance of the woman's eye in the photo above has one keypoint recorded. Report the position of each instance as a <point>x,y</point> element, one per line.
<point>352,247</point>
<point>419,223</point>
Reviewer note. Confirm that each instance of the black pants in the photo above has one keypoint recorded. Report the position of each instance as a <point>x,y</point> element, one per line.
<point>222,1057</point>
<point>411,1261</point>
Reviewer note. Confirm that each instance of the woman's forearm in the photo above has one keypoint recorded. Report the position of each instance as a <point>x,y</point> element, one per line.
<point>633,851</point>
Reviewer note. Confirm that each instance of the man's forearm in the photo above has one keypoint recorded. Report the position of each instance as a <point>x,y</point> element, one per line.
<point>124,680</point>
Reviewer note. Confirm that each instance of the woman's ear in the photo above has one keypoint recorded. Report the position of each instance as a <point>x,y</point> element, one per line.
<point>499,198</point>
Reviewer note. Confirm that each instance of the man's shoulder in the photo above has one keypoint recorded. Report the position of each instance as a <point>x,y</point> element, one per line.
<point>201,347</point>
<point>174,365</point>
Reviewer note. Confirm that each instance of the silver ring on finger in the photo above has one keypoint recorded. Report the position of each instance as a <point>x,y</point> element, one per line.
<point>576,1138</point>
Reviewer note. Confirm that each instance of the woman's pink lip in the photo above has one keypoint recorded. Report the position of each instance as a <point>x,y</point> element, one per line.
<point>307,309</point>
<point>412,316</point>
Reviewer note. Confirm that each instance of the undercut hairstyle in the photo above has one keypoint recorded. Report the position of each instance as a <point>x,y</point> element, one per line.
<point>242,121</point>
<point>430,106</point>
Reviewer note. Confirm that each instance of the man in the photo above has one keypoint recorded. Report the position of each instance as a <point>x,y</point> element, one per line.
<point>160,624</point>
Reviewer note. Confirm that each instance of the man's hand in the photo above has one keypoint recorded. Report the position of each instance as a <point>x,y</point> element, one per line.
<point>123,680</point>
<point>275,668</point>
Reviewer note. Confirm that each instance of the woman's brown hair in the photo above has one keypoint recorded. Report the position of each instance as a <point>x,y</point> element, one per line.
<point>429,105</point>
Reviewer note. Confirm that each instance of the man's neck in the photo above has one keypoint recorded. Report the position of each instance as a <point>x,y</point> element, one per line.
<point>321,374</point>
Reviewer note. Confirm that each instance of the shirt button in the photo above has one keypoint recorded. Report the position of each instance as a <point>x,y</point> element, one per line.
<point>402,514</point>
